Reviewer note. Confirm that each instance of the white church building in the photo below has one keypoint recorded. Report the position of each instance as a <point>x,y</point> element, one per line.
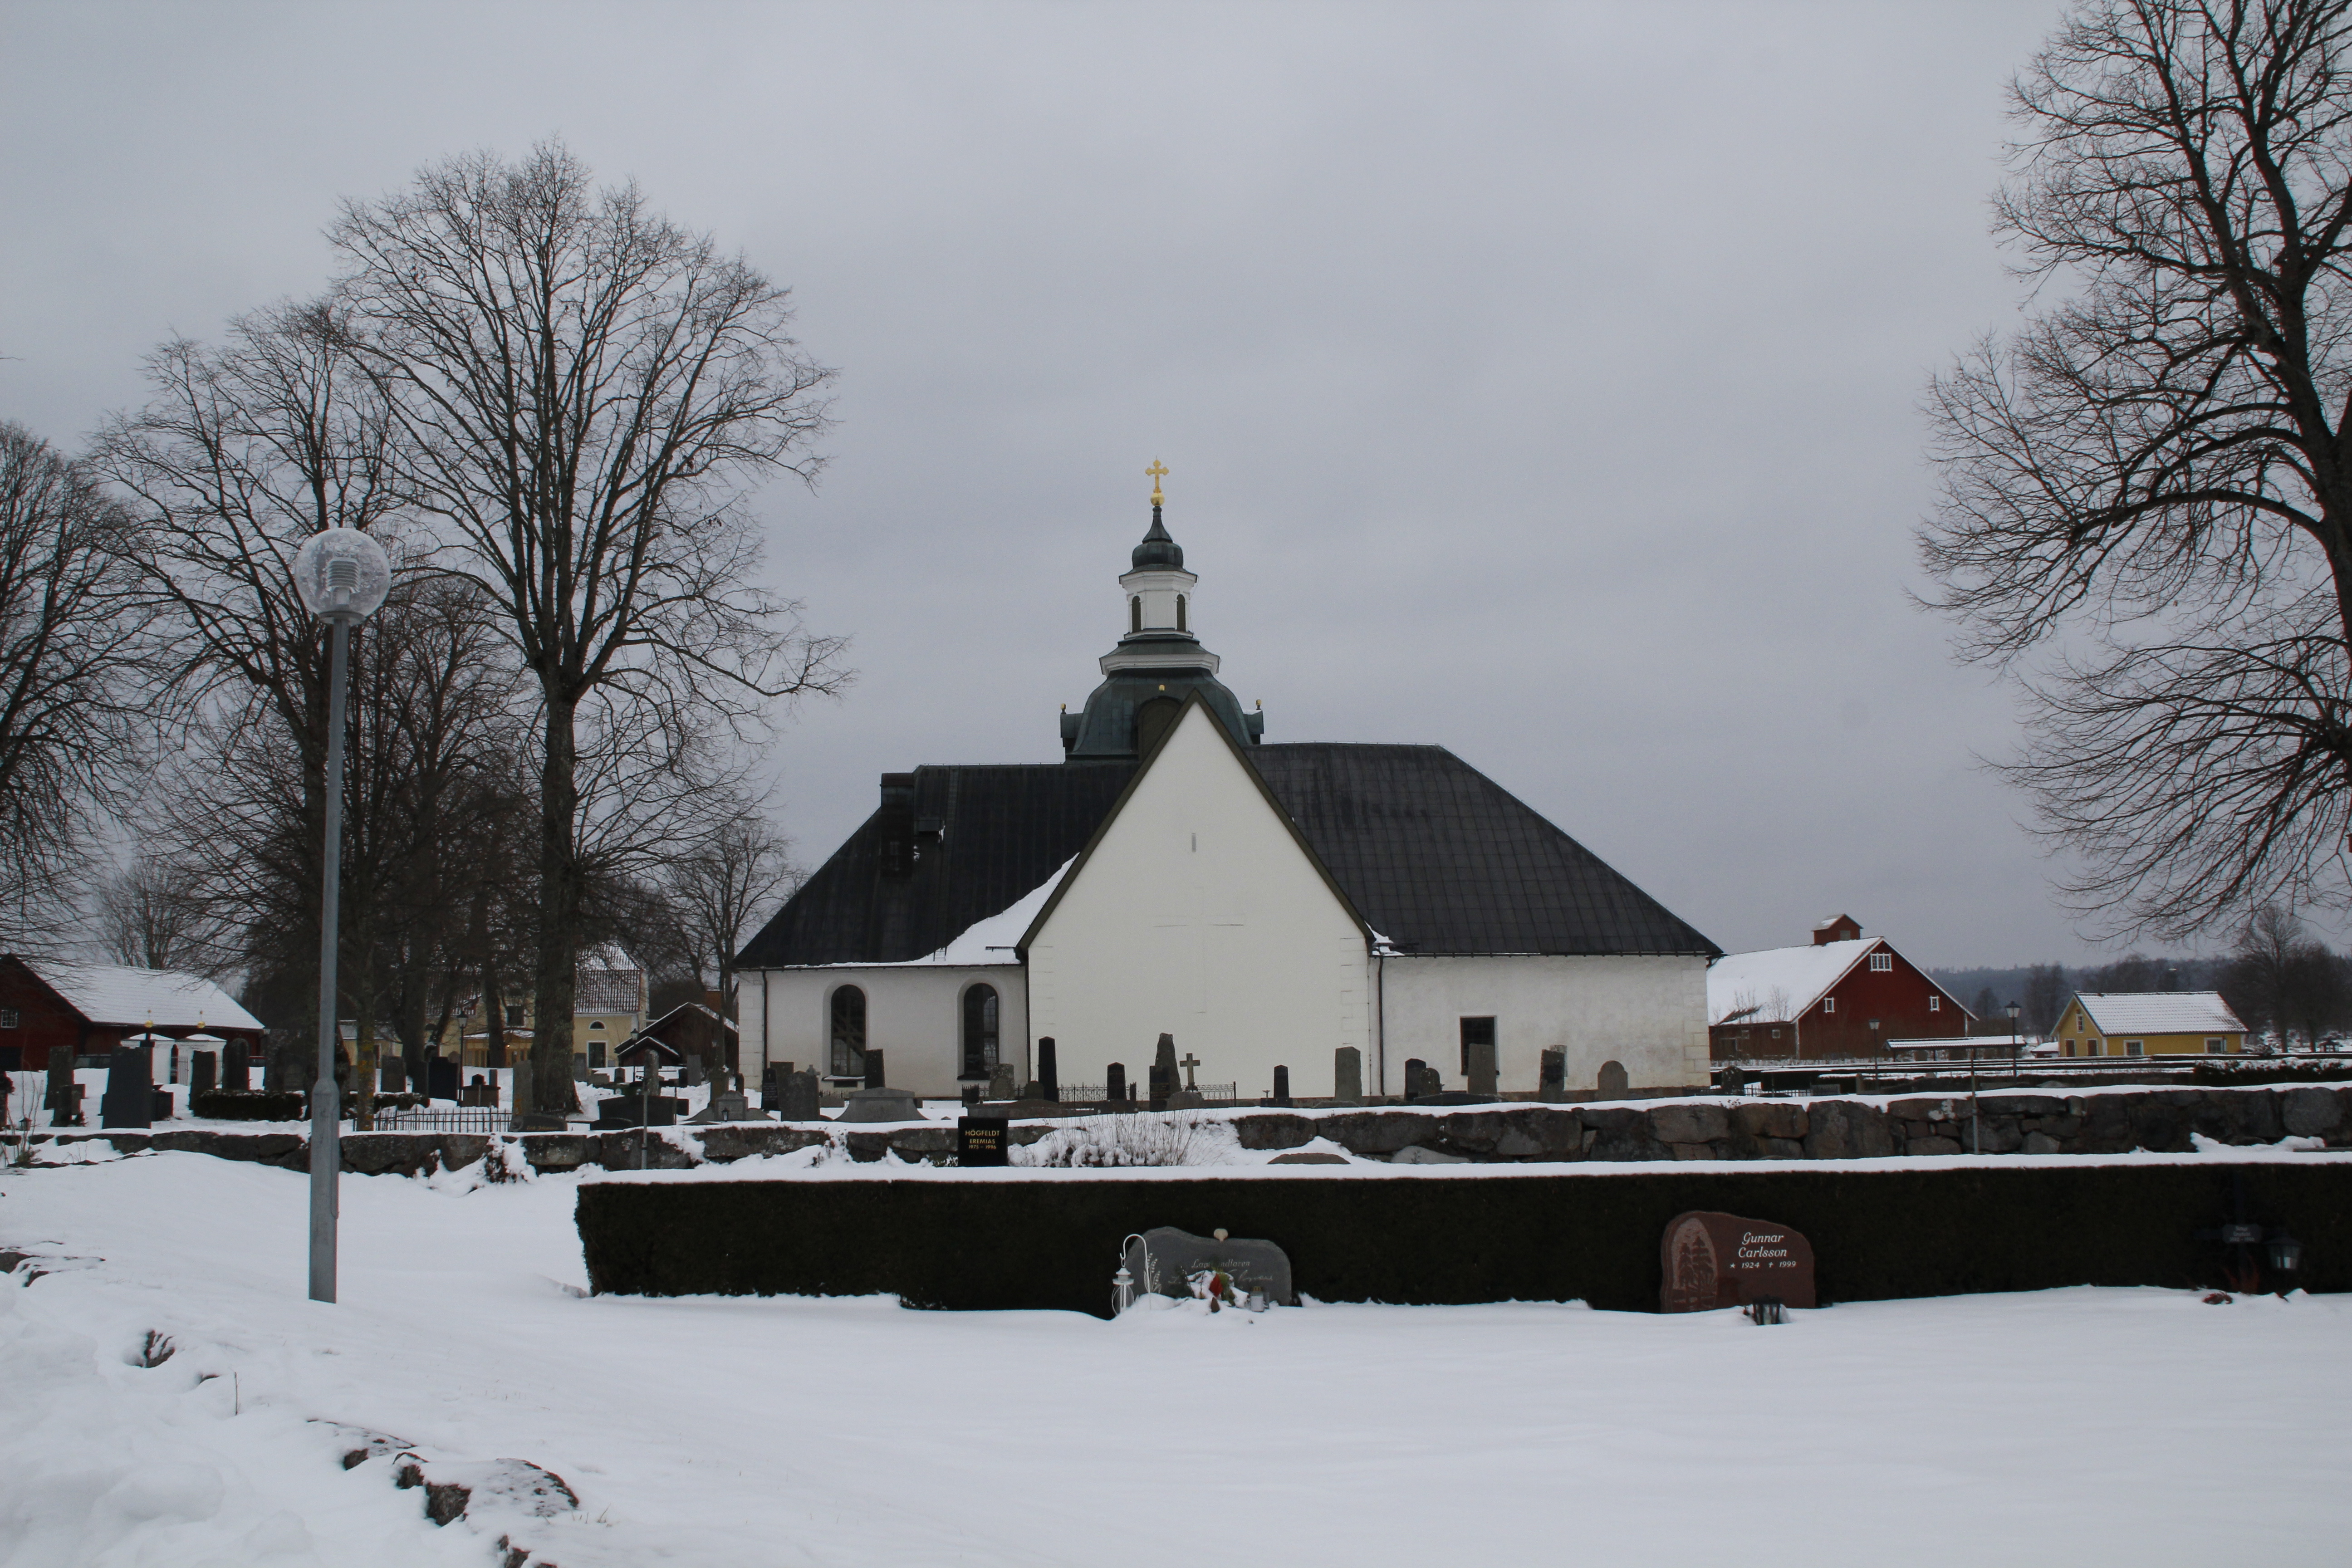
<point>1264,904</point>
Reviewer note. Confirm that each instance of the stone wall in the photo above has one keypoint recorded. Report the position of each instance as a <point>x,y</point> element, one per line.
<point>2160,1121</point>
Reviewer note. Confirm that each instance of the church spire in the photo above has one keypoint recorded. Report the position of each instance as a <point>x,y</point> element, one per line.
<point>1158,552</point>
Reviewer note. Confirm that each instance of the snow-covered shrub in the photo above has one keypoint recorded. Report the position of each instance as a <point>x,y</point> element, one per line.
<point>1142,1139</point>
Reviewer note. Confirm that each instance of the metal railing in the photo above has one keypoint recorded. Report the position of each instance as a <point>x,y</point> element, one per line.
<point>485,1119</point>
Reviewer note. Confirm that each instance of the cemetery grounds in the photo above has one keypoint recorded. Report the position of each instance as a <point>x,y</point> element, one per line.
<point>2082,1427</point>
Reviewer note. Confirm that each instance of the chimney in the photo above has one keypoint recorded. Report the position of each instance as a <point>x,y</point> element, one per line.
<point>895,825</point>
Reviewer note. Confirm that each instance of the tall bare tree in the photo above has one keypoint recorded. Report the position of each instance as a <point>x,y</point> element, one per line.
<point>148,918</point>
<point>73,707</point>
<point>585,391</point>
<point>2147,508</point>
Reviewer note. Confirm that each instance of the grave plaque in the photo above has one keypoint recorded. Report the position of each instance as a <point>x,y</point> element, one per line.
<point>999,1081</point>
<point>1712,1260</point>
<point>1613,1082</point>
<point>1347,1076</point>
<point>1164,1260</point>
<point>799,1100</point>
<point>1551,1077</point>
<point>984,1140</point>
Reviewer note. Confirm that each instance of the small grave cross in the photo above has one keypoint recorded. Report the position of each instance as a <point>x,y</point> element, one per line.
<point>1188,1063</point>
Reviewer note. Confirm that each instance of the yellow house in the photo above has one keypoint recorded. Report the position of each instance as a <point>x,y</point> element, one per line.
<point>608,1006</point>
<point>2149,1023</point>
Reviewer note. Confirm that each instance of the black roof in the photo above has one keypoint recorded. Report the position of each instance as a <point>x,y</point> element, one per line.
<point>1435,856</point>
<point>1440,859</point>
<point>981,838</point>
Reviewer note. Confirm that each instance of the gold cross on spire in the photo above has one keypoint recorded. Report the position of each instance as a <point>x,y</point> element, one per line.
<point>1157,472</point>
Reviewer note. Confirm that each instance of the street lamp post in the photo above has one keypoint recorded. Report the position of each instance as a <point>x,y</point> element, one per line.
<point>343,576</point>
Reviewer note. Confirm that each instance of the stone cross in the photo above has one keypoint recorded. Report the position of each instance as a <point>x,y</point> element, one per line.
<point>1188,1063</point>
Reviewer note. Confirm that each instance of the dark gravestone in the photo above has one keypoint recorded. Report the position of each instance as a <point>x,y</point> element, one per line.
<point>1613,1082</point>
<point>1281,1085</point>
<point>1163,1071</point>
<point>1347,1076</point>
<point>441,1077</point>
<point>983,1140</point>
<point>874,1079</point>
<point>204,1074</point>
<point>1165,1259</point>
<point>395,1075</point>
<point>1551,1077</point>
<point>130,1096</point>
<point>1711,1260</point>
<point>1115,1082</point>
<point>798,1100</point>
<point>1049,1071</point>
<point>1421,1081</point>
<point>1481,1069</point>
<point>236,1067</point>
<point>523,1086</point>
<point>692,1077</point>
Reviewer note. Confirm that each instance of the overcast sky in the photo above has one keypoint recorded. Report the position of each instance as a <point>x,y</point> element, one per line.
<point>1537,381</point>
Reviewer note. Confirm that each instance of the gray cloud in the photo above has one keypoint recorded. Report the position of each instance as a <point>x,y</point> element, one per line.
<point>1540,381</point>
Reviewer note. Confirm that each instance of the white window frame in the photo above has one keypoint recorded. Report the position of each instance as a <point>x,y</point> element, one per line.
<point>1935,1004</point>
<point>1882,963</point>
<point>2134,1047</point>
<point>1829,1004</point>
<point>9,1019</point>
<point>2215,1046</point>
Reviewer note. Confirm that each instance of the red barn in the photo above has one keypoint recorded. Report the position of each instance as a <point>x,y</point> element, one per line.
<point>1842,994</point>
<point>87,1009</point>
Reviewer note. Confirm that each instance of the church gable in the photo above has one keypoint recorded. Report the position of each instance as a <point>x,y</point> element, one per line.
<point>1197,911</point>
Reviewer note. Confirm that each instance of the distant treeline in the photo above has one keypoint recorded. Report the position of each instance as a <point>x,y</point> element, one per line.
<point>2287,986</point>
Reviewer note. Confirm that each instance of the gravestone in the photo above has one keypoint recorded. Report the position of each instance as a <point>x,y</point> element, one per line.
<point>799,1099</point>
<point>1347,1076</point>
<point>1613,1082</point>
<point>878,1103</point>
<point>693,1079</point>
<point>1115,1082</point>
<point>771,1084</point>
<point>1163,1260</point>
<point>1049,1074</point>
<point>1422,1081</point>
<point>482,1092</point>
<point>393,1075</point>
<point>728,1102</point>
<point>523,1084</point>
<point>1281,1085</point>
<point>999,1081</point>
<point>130,1096</point>
<point>236,1067</point>
<point>441,1077</point>
<point>984,1140</point>
<point>204,1073</point>
<point>1709,1260</point>
<point>1481,1071</point>
<point>1551,1075</point>
<point>1163,1071</point>
<point>874,1079</point>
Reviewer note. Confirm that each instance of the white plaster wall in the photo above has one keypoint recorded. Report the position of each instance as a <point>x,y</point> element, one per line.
<point>914,1015</point>
<point>1649,1014</point>
<point>1198,915</point>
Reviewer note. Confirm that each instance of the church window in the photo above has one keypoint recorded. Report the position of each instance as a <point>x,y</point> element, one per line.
<point>1180,612</point>
<point>1135,614</point>
<point>980,1013</point>
<point>1476,1032</point>
<point>849,1033</point>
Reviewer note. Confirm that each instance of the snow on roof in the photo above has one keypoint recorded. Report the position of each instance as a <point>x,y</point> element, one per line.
<point>1777,985</point>
<point>117,994</point>
<point>2159,1011</point>
<point>991,940</point>
<point>607,980</point>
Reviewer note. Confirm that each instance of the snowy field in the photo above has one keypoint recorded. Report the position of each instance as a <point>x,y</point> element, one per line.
<point>2073,1427</point>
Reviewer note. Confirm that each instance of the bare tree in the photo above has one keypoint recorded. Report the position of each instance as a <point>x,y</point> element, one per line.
<point>739,871</point>
<point>147,918</point>
<point>2147,508</point>
<point>585,390</point>
<point>72,707</point>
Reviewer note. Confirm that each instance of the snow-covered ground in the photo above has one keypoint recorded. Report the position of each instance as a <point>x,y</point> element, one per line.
<point>2073,1427</point>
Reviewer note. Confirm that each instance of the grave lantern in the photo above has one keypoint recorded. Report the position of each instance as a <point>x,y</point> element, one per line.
<point>2286,1252</point>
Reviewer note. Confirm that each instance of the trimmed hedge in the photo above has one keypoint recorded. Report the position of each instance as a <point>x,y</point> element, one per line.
<point>248,1105</point>
<point>1053,1244</point>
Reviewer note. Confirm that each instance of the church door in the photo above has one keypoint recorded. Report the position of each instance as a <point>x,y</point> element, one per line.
<point>980,1007</point>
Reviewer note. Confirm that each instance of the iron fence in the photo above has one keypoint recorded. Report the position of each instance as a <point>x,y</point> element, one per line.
<point>484,1119</point>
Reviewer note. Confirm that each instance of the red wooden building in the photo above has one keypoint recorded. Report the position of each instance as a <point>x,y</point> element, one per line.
<point>87,1009</point>
<point>1842,994</point>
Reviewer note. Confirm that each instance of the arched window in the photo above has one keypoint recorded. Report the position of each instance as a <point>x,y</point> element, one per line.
<point>1180,612</point>
<point>1135,614</point>
<point>979,1009</point>
<point>849,1033</point>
